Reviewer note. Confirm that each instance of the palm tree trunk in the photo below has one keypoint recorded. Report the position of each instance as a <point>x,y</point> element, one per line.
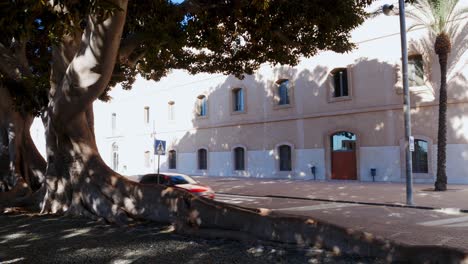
<point>441,180</point>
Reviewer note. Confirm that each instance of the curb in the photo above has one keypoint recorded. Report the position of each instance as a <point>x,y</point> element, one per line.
<point>299,230</point>
<point>347,201</point>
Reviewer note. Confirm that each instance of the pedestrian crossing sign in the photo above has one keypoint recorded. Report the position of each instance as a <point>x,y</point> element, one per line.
<point>159,147</point>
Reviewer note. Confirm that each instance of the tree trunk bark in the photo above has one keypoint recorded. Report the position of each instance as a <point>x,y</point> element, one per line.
<point>22,168</point>
<point>441,179</point>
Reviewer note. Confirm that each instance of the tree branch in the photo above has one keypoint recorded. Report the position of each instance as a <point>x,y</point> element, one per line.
<point>8,65</point>
<point>89,73</point>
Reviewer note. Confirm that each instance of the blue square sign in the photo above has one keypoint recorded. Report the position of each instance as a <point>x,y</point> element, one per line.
<point>159,145</point>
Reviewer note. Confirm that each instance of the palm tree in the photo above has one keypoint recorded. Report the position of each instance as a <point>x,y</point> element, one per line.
<point>442,19</point>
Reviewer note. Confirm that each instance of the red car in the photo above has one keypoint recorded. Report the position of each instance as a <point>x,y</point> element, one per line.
<point>178,180</point>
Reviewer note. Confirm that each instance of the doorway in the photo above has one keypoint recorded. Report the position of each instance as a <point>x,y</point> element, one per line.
<point>343,156</point>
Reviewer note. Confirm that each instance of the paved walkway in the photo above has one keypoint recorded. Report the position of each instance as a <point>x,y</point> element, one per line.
<point>456,197</point>
<point>437,223</point>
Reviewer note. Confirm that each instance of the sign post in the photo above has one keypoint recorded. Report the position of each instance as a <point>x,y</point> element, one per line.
<point>411,143</point>
<point>159,149</point>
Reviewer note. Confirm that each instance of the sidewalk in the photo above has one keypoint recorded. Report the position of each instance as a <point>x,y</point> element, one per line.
<point>376,209</point>
<point>455,198</point>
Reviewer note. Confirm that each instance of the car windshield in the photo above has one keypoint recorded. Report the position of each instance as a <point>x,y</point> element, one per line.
<point>181,179</point>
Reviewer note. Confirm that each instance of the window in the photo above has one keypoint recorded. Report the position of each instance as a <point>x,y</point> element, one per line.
<point>239,159</point>
<point>415,70</point>
<point>238,99</point>
<point>343,142</point>
<point>201,105</point>
<point>283,92</point>
<point>114,121</point>
<point>284,158</point>
<point>170,110</point>
<point>115,156</point>
<point>147,159</point>
<point>172,159</point>
<point>340,82</point>
<point>202,159</point>
<point>419,156</point>
<point>146,114</point>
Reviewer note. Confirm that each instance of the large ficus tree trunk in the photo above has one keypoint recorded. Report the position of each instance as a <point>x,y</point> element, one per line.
<point>22,168</point>
<point>77,179</point>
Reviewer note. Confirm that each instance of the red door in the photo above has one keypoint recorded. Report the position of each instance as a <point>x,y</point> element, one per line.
<point>344,165</point>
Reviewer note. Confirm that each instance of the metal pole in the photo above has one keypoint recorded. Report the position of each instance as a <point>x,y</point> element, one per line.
<point>158,168</point>
<point>407,106</point>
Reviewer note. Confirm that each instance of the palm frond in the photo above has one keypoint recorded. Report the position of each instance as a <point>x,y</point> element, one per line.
<point>437,15</point>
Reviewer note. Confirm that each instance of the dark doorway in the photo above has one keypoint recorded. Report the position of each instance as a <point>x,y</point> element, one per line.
<point>343,156</point>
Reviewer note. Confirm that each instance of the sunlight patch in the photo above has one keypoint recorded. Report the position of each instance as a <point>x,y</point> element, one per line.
<point>78,232</point>
<point>12,260</point>
<point>13,236</point>
<point>449,211</point>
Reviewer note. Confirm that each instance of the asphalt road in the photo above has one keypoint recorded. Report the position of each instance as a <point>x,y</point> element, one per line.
<point>405,225</point>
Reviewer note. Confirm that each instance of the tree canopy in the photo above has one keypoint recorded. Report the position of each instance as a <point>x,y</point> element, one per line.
<point>229,37</point>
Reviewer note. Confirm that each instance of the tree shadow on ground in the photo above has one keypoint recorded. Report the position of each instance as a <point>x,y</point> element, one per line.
<point>26,238</point>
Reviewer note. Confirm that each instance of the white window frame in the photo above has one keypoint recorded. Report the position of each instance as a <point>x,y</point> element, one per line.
<point>199,104</point>
<point>171,111</point>
<point>234,100</point>
<point>331,84</point>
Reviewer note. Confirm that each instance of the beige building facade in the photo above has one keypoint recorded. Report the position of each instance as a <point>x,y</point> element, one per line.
<point>333,116</point>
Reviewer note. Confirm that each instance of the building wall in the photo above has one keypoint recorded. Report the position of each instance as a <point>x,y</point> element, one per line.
<point>373,112</point>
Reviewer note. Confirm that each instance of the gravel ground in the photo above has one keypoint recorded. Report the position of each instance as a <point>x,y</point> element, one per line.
<point>28,238</point>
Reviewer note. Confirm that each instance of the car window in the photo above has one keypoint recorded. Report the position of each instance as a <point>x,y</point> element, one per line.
<point>153,179</point>
<point>181,179</point>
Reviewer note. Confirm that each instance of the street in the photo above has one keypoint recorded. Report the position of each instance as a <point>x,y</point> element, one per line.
<point>412,226</point>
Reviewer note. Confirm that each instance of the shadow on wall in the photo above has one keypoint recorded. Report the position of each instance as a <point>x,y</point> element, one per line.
<point>262,125</point>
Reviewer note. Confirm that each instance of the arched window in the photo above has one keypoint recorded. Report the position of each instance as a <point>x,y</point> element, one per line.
<point>115,156</point>
<point>172,159</point>
<point>170,110</point>
<point>114,122</point>
<point>415,70</point>
<point>146,114</point>
<point>283,92</point>
<point>202,105</point>
<point>238,99</point>
<point>340,82</point>
<point>202,159</point>
<point>239,159</point>
<point>285,160</point>
<point>419,156</point>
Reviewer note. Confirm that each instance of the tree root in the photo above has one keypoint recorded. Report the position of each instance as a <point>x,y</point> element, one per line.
<point>22,196</point>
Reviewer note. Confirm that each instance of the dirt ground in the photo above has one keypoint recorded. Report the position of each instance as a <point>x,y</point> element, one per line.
<point>32,238</point>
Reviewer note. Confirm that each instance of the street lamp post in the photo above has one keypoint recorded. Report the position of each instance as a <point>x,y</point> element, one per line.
<point>406,105</point>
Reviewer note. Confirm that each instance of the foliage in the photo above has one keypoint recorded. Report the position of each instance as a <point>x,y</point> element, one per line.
<point>229,37</point>
<point>442,19</point>
<point>438,16</point>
